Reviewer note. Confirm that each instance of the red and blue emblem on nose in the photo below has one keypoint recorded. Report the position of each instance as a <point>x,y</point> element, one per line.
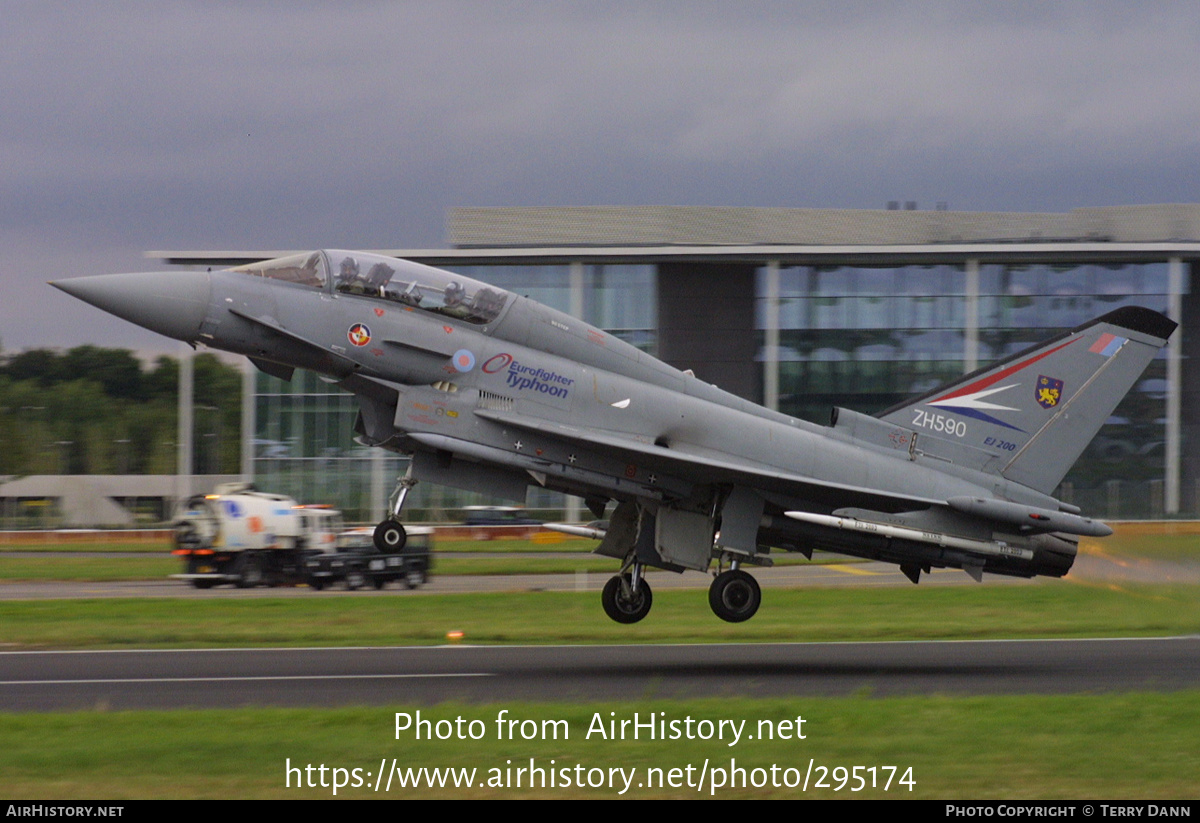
<point>359,335</point>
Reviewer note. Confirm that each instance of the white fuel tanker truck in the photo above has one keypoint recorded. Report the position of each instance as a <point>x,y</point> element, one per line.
<point>250,538</point>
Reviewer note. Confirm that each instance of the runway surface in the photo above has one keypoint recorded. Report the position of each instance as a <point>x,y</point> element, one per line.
<point>38,681</point>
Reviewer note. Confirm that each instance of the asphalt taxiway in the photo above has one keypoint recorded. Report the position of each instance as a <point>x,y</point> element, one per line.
<point>40,681</point>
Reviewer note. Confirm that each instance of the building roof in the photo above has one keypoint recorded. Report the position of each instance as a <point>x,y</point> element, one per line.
<point>693,233</point>
<point>720,226</point>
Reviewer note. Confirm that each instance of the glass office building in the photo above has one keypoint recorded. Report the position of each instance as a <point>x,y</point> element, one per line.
<point>803,310</point>
<point>868,337</point>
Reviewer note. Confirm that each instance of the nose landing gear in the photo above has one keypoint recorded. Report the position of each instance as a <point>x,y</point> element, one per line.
<point>389,536</point>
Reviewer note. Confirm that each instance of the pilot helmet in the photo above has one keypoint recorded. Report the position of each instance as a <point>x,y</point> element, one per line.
<point>455,293</point>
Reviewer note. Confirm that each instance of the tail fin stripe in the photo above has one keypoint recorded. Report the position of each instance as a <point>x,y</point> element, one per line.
<point>1000,375</point>
<point>966,411</point>
<point>1108,344</point>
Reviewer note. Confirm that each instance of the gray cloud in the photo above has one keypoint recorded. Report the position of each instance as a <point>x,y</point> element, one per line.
<point>209,125</point>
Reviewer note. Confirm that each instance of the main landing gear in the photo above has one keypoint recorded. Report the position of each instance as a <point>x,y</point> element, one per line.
<point>389,536</point>
<point>627,597</point>
<point>734,596</point>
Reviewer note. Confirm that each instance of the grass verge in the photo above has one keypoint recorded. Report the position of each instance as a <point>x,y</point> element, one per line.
<point>1012,748</point>
<point>1050,609</point>
<point>82,566</point>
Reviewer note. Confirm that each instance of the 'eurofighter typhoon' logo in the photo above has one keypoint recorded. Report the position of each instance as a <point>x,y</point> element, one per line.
<point>1048,391</point>
<point>359,334</point>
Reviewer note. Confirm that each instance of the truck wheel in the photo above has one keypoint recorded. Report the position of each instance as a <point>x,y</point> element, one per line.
<point>355,580</point>
<point>250,573</point>
<point>204,584</point>
<point>380,582</point>
<point>317,585</point>
<point>414,578</point>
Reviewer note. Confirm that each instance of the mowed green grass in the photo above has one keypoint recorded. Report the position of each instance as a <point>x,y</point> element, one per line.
<point>553,543</point>
<point>1128,746</point>
<point>1175,548</point>
<point>141,547</point>
<point>154,561</point>
<point>1044,609</point>
<point>80,563</point>
<point>84,568</point>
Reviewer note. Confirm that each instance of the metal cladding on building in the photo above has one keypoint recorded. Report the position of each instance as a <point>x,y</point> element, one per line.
<point>805,310</point>
<point>602,226</point>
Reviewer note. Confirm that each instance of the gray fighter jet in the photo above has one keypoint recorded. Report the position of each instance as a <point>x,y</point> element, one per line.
<point>490,391</point>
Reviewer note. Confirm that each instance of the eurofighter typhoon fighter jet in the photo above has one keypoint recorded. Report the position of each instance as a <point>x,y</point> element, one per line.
<point>490,391</point>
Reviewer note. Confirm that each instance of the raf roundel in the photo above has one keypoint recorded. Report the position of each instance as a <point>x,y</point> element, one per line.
<point>463,360</point>
<point>359,334</point>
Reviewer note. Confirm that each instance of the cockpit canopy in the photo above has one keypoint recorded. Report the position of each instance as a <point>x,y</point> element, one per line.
<point>307,269</point>
<point>387,278</point>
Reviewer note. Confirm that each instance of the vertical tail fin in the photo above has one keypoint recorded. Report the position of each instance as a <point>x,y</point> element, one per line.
<point>1038,410</point>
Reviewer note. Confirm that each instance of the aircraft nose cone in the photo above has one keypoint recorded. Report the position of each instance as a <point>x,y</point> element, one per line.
<point>173,303</point>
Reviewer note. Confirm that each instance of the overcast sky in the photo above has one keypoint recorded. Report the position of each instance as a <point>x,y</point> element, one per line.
<point>211,125</point>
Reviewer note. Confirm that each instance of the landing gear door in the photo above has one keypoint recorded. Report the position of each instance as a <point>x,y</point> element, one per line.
<point>741,517</point>
<point>446,470</point>
<point>684,538</point>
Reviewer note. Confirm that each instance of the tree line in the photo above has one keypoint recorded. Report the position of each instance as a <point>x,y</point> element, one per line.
<point>93,410</point>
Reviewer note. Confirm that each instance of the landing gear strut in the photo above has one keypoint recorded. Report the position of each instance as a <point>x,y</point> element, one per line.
<point>627,597</point>
<point>389,536</point>
<point>734,596</point>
